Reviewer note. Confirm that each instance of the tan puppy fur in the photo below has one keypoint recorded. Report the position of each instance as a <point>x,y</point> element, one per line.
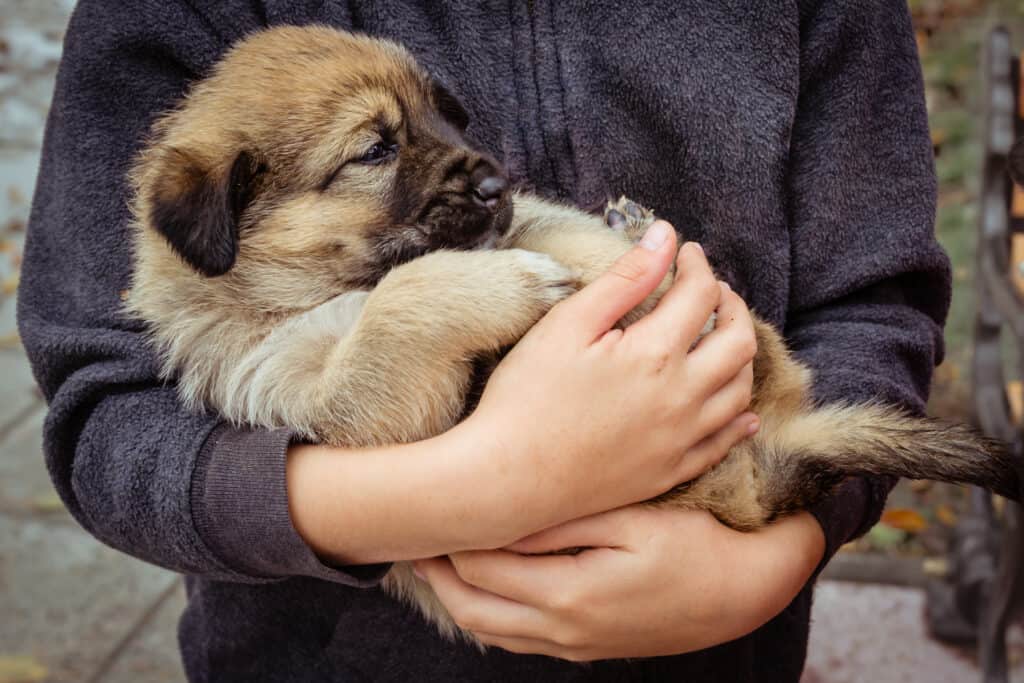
<point>316,247</point>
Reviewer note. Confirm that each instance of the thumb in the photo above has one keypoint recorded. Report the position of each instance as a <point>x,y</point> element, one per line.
<point>624,286</point>
<point>602,530</point>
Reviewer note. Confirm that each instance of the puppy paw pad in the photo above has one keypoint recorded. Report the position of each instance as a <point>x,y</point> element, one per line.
<point>626,216</point>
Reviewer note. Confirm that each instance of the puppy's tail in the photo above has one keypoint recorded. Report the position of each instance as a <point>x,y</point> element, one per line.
<point>807,454</point>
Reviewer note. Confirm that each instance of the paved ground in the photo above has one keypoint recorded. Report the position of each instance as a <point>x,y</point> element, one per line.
<point>73,610</point>
<point>872,633</point>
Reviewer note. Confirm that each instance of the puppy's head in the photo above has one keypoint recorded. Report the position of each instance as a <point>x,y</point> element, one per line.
<point>312,161</point>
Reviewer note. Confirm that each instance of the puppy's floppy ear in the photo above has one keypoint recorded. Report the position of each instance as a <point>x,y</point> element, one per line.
<point>196,207</point>
<point>450,107</point>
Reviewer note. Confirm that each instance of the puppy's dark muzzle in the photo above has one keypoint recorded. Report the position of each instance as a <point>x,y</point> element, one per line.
<point>483,211</point>
<point>489,190</point>
<point>471,207</point>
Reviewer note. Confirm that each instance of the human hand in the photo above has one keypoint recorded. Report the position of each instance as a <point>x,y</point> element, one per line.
<point>591,418</point>
<point>656,581</point>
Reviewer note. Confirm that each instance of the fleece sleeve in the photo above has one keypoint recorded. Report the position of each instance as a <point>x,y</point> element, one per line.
<point>134,467</point>
<point>870,286</point>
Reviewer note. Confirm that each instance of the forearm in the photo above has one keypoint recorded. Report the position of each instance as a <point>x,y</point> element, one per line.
<point>407,501</point>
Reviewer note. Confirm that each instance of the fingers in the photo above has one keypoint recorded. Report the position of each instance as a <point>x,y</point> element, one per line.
<point>519,603</point>
<point>599,305</point>
<point>528,579</point>
<point>684,309</point>
<point>586,532</point>
<point>498,617</point>
<point>730,346</point>
<point>529,646</point>
<point>474,608</point>
<point>727,402</point>
<point>712,449</point>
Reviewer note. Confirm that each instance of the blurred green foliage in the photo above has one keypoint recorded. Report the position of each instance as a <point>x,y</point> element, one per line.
<point>950,37</point>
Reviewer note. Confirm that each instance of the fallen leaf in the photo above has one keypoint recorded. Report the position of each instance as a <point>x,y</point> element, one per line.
<point>956,197</point>
<point>999,505</point>
<point>884,537</point>
<point>48,503</point>
<point>937,567</point>
<point>946,514</point>
<point>949,371</point>
<point>922,42</point>
<point>921,485</point>
<point>1015,398</point>
<point>10,285</point>
<point>21,669</point>
<point>904,519</point>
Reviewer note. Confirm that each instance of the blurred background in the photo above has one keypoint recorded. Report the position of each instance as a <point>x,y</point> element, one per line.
<point>73,610</point>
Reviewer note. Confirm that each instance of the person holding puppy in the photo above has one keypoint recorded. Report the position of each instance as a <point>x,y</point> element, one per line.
<point>809,173</point>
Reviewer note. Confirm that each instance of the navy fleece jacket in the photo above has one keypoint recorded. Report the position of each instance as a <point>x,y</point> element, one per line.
<point>788,136</point>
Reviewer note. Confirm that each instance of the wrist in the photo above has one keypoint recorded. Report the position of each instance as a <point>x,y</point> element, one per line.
<point>485,467</point>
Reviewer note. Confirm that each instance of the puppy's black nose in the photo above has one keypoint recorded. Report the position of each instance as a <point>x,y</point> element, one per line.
<point>489,190</point>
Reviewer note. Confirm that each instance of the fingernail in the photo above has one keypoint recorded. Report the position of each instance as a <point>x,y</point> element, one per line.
<point>418,573</point>
<point>725,285</point>
<point>699,248</point>
<point>655,236</point>
<point>755,424</point>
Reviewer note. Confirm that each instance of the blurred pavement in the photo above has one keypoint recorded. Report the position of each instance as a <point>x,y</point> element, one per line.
<point>71,609</point>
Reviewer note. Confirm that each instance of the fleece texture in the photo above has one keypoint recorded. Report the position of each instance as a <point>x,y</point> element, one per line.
<point>789,137</point>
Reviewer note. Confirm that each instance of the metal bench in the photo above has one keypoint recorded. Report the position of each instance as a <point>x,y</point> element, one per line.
<point>985,586</point>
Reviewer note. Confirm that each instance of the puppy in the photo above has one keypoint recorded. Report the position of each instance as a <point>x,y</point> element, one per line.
<point>317,247</point>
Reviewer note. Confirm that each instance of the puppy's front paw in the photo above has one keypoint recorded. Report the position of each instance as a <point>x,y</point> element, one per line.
<point>518,288</point>
<point>628,217</point>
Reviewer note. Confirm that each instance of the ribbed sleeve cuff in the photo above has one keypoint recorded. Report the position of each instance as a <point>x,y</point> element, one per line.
<point>240,507</point>
<point>850,511</point>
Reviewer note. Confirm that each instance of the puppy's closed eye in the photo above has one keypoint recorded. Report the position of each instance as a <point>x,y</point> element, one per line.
<point>380,153</point>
